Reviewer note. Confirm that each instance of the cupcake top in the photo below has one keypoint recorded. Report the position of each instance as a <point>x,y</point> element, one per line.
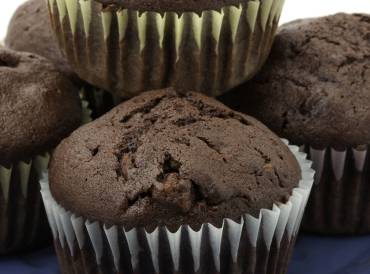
<point>315,88</point>
<point>30,30</point>
<point>38,106</point>
<point>167,159</point>
<point>172,6</point>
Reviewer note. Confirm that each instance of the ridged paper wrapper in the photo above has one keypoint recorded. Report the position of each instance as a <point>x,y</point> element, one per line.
<point>23,224</point>
<point>340,200</point>
<point>99,101</point>
<point>256,245</point>
<point>127,52</point>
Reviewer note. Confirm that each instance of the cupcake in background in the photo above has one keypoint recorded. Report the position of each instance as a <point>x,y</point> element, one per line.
<point>127,47</point>
<point>30,30</point>
<point>169,183</point>
<point>315,91</point>
<point>38,108</point>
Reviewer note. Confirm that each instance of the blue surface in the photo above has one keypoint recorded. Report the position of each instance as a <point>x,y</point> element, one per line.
<point>42,262</point>
<point>318,255</point>
<point>313,255</point>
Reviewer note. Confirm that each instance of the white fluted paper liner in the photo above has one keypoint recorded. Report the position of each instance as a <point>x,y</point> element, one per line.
<point>270,11</point>
<point>20,203</point>
<point>21,223</point>
<point>273,224</point>
<point>339,204</point>
<point>86,112</point>
<point>338,160</point>
<point>98,101</point>
<point>38,163</point>
<point>96,40</point>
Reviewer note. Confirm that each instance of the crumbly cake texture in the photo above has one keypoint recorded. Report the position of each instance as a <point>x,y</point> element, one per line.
<point>39,106</point>
<point>315,86</point>
<point>165,159</point>
<point>30,30</point>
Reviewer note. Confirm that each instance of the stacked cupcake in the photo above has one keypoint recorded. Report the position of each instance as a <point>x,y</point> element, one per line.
<point>128,47</point>
<point>171,180</point>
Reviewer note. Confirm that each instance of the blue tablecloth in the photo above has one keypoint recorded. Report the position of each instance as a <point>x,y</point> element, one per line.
<point>313,255</point>
<point>318,255</point>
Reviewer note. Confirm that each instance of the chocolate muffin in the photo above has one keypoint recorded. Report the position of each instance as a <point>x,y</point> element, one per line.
<point>29,30</point>
<point>127,47</point>
<point>156,164</point>
<point>314,91</point>
<point>169,161</point>
<point>38,108</point>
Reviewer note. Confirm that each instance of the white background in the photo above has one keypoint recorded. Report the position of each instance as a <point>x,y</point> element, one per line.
<point>293,9</point>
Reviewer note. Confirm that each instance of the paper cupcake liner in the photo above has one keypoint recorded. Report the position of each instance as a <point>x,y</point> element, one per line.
<point>126,52</point>
<point>99,101</point>
<point>86,112</point>
<point>23,224</point>
<point>252,245</point>
<point>340,202</point>
<point>22,218</point>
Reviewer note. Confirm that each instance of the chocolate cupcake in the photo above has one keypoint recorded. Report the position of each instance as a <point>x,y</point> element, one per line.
<point>38,107</point>
<point>128,47</point>
<point>29,30</point>
<point>169,183</point>
<point>314,91</point>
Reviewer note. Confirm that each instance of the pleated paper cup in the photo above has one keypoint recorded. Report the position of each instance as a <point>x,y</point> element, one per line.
<point>127,52</point>
<point>259,245</point>
<point>340,200</point>
<point>23,224</point>
<point>98,100</point>
<point>22,217</point>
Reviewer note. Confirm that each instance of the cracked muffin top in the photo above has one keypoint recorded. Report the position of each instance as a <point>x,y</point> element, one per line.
<point>165,159</point>
<point>39,106</point>
<point>315,87</point>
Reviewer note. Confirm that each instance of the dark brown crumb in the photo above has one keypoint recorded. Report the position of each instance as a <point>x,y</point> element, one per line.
<point>315,87</point>
<point>168,159</point>
<point>39,106</point>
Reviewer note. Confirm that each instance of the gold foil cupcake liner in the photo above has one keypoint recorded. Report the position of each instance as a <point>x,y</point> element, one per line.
<point>261,244</point>
<point>340,202</point>
<point>127,51</point>
<point>23,223</point>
